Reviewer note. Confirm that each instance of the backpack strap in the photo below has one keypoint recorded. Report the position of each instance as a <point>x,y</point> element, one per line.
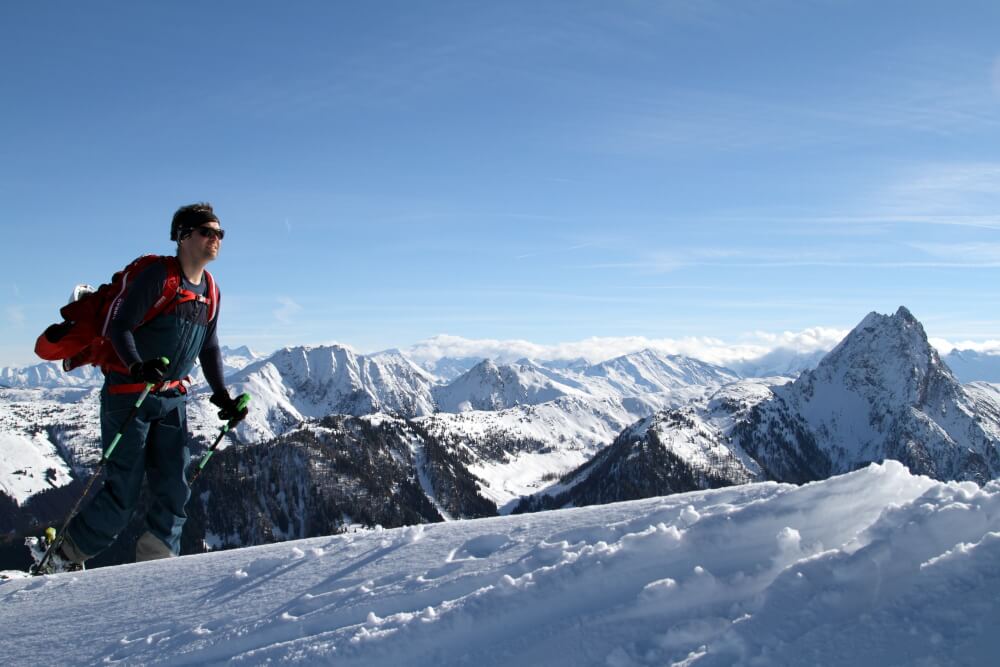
<point>174,295</point>
<point>171,287</point>
<point>136,267</point>
<point>214,296</point>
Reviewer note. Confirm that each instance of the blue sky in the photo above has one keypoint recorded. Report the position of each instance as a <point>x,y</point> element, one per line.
<point>546,171</point>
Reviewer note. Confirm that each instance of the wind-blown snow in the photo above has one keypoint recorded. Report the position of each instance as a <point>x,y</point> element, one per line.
<point>875,567</point>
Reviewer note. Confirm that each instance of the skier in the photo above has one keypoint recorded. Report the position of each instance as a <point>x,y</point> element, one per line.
<point>161,352</point>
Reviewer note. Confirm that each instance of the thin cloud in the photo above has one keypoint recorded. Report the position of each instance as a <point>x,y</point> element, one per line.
<point>287,310</point>
<point>554,251</point>
<point>975,254</point>
<point>15,315</point>
<point>964,192</point>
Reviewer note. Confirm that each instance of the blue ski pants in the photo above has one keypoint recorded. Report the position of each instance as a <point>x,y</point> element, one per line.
<point>153,445</point>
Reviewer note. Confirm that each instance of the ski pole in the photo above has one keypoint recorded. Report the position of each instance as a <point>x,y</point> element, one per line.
<point>241,403</point>
<point>54,544</point>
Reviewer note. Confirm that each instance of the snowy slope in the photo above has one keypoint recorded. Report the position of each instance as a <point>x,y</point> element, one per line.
<point>873,568</point>
<point>517,451</point>
<point>43,430</point>
<point>29,465</point>
<point>685,447</point>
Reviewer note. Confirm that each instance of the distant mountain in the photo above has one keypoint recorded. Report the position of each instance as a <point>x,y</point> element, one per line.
<point>882,393</point>
<point>297,383</point>
<point>449,368</point>
<point>487,386</point>
<point>238,358</point>
<point>649,371</point>
<point>678,449</point>
<point>780,362</point>
<point>50,375</point>
<point>579,364</point>
<point>972,366</point>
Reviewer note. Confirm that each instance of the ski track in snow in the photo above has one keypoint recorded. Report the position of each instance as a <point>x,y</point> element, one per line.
<point>876,567</point>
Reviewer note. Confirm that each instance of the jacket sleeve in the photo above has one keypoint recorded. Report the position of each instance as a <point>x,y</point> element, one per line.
<point>145,290</point>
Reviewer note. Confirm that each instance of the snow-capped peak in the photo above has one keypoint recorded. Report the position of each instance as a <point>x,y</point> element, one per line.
<point>883,392</point>
<point>650,371</point>
<point>886,354</point>
<point>299,382</point>
<point>487,386</point>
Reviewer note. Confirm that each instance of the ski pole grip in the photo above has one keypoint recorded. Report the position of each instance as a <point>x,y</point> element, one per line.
<point>242,401</point>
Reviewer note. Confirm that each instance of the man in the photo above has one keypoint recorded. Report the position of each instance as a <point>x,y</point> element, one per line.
<point>154,442</point>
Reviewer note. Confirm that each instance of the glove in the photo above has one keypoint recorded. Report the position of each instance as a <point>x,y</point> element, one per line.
<point>229,408</point>
<point>150,372</point>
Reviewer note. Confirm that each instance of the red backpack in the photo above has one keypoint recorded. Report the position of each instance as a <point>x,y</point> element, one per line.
<point>82,337</point>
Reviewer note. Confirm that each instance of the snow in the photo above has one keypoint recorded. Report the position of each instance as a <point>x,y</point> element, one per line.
<point>29,465</point>
<point>875,567</point>
<point>567,432</point>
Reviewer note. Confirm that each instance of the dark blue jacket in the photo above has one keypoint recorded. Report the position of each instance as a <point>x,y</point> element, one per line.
<point>182,333</point>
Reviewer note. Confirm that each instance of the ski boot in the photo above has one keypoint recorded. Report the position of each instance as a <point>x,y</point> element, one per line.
<point>57,562</point>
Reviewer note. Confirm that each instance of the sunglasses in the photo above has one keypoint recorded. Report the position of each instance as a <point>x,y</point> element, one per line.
<point>212,232</point>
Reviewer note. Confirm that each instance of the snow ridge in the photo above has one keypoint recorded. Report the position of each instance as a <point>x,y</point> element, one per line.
<point>876,567</point>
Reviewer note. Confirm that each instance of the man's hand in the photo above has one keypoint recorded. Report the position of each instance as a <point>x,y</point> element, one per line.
<point>230,410</point>
<point>150,372</point>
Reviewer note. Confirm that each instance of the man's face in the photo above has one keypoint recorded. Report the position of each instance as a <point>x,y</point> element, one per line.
<point>205,241</point>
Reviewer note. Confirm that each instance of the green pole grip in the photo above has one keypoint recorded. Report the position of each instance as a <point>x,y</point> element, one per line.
<point>205,459</point>
<point>241,402</point>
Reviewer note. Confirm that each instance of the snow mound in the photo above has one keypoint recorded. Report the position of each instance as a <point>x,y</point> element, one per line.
<point>875,567</point>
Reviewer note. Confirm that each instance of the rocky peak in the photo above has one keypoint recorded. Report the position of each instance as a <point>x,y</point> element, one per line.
<point>883,356</point>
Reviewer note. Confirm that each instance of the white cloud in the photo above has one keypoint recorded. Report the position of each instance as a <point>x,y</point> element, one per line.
<point>807,340</point>
<point>597,349</point>
<point>944,346</point>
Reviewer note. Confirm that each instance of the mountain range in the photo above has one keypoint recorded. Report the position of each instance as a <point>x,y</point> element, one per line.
<point>338,439</point>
